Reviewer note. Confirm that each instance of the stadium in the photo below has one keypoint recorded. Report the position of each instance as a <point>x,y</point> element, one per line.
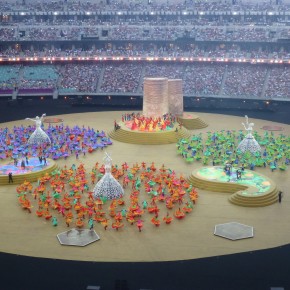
<point>84,63</point>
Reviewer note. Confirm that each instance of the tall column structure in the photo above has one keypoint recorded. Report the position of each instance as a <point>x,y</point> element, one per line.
<point>155,99</point>
<point>175,97</point>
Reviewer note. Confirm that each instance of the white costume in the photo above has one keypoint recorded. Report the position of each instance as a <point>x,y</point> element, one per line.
<point>38,137</point>
<point>108,186</point>
<point>249,143</point>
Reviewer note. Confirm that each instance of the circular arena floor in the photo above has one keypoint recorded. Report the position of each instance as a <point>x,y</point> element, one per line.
<point>191,238</point>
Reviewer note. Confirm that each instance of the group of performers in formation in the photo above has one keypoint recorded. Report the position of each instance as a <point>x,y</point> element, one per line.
<point>140,122</point>
<point>60,142</point>
<point>65,194</point>
<point>219,148</point>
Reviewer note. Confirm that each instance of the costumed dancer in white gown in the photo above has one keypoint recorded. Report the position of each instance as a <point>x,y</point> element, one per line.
<point>249,143</point>
<point>108,187</point>
<point>38,137</point>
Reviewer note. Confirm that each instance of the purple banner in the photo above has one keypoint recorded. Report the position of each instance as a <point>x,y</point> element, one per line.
<point>36,91</point>
<point>6,91</point>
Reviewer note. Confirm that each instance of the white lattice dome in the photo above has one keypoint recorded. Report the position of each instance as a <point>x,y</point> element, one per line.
<point>108,187</point>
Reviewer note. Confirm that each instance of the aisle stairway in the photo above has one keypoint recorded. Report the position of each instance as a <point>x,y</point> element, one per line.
<point>265,85</point>
<point>100,80</point>
<point>221,92</point>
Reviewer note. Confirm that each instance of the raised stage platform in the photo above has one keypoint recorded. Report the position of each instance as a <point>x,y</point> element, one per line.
<point>252,190</point>
<point>32,171</point>
<point>191,121</point>
<point>125,135</point>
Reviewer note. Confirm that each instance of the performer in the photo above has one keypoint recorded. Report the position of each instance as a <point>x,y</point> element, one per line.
<point>248,126</point>
<point>249,143</point>
<point>10,178</point>
<point>38,137</point>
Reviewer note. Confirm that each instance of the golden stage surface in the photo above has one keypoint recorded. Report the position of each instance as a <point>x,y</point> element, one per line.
<point>25,234</point>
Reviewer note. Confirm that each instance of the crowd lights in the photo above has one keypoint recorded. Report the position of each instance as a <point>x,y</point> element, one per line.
<point>134,58</point>
<point>239,60</point>
<point>276,61</point>
<point>148,58</point>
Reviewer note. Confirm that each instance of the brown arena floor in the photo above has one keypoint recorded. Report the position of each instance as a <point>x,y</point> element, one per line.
<point>191,238</point>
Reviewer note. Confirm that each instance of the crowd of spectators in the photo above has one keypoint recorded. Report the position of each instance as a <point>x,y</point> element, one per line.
<point>126,32</point>
<point>79,77</point>
<point>7,34</point>
<point>89,20</point>
<point>50,33</point>
<point>203,79</point>
<point>9,76</point>
<point>278,85</point>
<point>232,51</point>
<point>244,80</point>
<point>249,34</point>
<point>155,70</point>
<point>169,6</point>
<point>38,77</point>
<point>171,71</point>
<point>121,26</point>
<point>121,78</point>
<point>219,36</point>
<point>200,79</point>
